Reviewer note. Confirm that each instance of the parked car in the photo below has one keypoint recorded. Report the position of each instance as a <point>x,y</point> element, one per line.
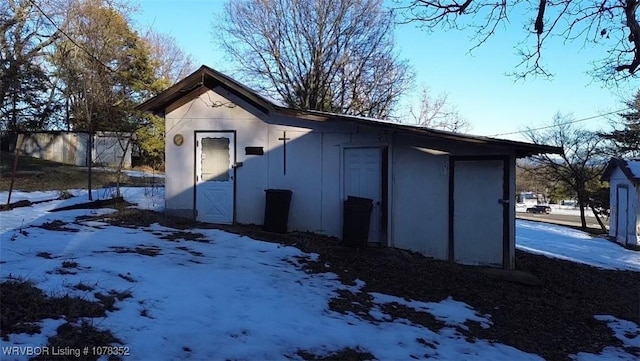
<point>540,208</point>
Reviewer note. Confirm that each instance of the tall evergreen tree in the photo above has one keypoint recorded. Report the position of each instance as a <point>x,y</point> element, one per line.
<point>106,68</point>
<point>625,137</point>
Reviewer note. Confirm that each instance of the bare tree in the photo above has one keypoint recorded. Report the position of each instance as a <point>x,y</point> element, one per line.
<point>609,22</point>
<point>334,55</point>
<point>436,112</point>
<point>580,164</point>
<point>173,63</point>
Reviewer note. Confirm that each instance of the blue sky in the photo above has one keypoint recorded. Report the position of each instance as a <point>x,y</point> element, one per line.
<point>476,83</point>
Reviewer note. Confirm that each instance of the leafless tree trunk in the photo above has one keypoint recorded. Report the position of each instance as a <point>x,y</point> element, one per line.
<point>578,166</point>
<point>124,149</point>
<point>172,62</point>
<point>19,142</point>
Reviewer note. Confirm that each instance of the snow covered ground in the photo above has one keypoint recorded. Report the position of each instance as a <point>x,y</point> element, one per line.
<point>238,298</point>
<point>573,245</point>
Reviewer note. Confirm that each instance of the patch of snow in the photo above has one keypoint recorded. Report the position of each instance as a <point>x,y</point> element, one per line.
<point>238,298</point>
<point>48,328</point>
<point>30,196</point>
<point>449,311</point>
<point>142,197</point>
<point>569,244</point>
<point>626,331</point>
<point>130,172</point>
<point>230,298</point>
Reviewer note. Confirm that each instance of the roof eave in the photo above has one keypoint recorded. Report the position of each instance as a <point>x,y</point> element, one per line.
<point>522,149</point>
<point>622,164</point>
<point>208,77</point>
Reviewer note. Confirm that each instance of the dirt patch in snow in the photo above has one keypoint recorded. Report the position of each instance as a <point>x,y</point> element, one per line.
<point>546,308</point>
<point>24,305</point>
<point>347,354</point>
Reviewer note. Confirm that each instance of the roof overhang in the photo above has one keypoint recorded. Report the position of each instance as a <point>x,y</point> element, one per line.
<point>207,78</point>
<point>202,79</point>
<point>624,167</point>
<point>522,149</point>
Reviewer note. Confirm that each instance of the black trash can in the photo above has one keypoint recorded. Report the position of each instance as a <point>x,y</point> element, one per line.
<point>276,210</point>
<point>356,222</point>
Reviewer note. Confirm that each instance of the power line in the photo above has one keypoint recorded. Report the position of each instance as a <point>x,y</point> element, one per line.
<point>71,39</point>
<point>91,55</point>
<point>563,123</point>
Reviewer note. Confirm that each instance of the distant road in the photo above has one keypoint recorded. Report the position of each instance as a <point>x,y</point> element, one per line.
<point>565,219</point>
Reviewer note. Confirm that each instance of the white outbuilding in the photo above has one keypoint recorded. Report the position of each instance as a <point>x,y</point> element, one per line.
<point>624,179</point>
<point>446,195</point>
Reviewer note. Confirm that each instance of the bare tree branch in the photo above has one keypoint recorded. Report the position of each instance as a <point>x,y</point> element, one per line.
<point>335,56</point>
<point>435,112</point>
<point>580,164</point>
<point>613,23</point>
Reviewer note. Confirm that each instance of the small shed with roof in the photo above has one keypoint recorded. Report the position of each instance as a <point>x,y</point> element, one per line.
<point>446,195</point>
<point>623,176</point>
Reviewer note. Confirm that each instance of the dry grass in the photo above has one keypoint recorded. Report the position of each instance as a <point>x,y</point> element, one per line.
<point>37,174</point>
<point>346,354</point>
<point>24,305</point>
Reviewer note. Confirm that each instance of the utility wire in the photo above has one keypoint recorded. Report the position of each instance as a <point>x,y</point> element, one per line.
<point>115,72</point>
<point>71,39</point>
<point>563,123</point>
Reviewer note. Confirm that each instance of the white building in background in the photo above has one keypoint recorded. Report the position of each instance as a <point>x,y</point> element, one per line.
<point>71,147</point>
<point>529,199</point>
<point>624,180</point>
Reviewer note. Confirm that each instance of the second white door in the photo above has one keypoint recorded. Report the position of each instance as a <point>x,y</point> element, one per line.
<point>363,178</point>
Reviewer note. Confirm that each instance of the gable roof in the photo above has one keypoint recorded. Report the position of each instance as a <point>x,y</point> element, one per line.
<point>207,78</point>
<point>630,168</point>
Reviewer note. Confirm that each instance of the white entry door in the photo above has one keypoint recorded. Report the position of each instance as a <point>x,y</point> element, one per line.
<point>215,156</point>
<point>363,178</point>
<point>478,211</point>
<point>622,215</point>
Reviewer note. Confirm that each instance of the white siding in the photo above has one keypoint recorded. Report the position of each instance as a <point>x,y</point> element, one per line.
<point>420,205</point>
<point>418,192</point>
<point>212,111</point>
<point>478,214</point>
<point>313,161</point>
<point>331,202</point>
<point>303,174</point>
